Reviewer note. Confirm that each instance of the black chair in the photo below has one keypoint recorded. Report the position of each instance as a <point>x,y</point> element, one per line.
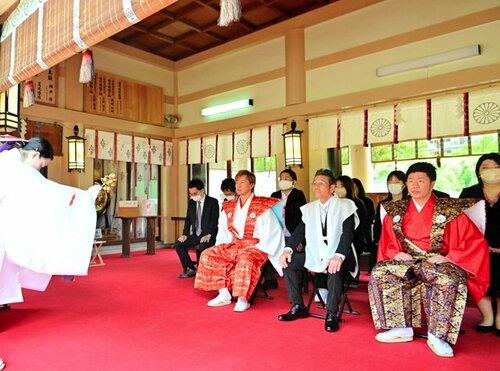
<point>344,300</point>
<point>260,288</point>
<point>350,263</point>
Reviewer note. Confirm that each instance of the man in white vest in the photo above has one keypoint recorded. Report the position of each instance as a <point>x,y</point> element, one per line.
<point>327,228</point>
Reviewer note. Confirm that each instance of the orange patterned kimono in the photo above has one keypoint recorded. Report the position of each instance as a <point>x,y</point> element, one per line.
<point>235,262</point>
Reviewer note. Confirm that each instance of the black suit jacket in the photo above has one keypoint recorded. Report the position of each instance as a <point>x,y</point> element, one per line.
<point>293,215</point>
<point>209,218</point>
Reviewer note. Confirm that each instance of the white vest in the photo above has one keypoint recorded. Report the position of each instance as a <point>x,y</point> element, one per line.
<point>317,252</point>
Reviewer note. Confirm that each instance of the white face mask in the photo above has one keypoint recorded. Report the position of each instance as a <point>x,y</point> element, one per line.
<point>490,176</point>
<point>395,188</point>
<point>341,192</point>
<point>229,198</point>
<point>285,185</point>
<point>196,198</point>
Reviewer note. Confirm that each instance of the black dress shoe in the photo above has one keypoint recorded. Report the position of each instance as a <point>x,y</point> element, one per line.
<point>189,272</point>
<point>484,329</point>
<point>297,311</point>
<point>332,322</point>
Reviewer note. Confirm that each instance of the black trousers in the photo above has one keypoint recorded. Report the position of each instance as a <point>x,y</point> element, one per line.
<point>293,279</point>
<point>182,249</point>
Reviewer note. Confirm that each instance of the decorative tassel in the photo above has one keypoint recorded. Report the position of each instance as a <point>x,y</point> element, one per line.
<point>230,11</point>
<point>87,68</point>
<point>29,94</point>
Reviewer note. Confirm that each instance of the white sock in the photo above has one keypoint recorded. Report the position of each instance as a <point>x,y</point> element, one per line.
<point>242,301</point>
<point>441,345</point>
<point>396,333</point>
<point>224,294</point>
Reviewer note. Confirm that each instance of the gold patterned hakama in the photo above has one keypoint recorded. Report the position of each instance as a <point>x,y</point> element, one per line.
<point>399,290</point>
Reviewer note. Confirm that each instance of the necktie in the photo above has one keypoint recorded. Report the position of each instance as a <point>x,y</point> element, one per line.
<point>198,218</point>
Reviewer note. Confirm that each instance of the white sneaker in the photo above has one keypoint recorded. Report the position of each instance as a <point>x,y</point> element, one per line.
<point>224,298</point>
<point>439,347</point>
<point>396,335</point>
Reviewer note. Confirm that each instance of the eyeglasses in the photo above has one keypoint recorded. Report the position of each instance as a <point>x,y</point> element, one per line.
<point>319,183</point>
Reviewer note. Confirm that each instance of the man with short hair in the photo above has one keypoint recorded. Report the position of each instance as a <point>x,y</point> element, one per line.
<point>200,227</point>
<point>429,249</point>
<point>249,234</point>
<point>327,227</point>
<point>228,188</point>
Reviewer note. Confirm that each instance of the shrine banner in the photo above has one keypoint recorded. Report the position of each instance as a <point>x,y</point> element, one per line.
<point>447,118</point>
<point>124,150</point>
<point>381,124</point>
<point>351,124</point>
<point>209,149</point>
<point>90,136</point>
<point>241,145</point>
<point>105,145</point>
<point>141,150</point>
<point>323,132</point>
<point>224,147</point>
<point>156,149</point>
<point>412,120</point>
<point>183,152</point>
<point>277,142</point>
<point>484,110</point>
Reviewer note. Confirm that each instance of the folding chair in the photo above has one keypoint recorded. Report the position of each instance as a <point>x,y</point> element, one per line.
<point>260,287</point>
<point>344,299</point>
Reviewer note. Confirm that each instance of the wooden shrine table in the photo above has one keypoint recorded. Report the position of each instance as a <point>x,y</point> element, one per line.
<point>97,258</point>
<point>150,233</point>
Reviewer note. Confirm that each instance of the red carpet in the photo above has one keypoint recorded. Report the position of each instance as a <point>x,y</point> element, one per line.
<point>135,314</point>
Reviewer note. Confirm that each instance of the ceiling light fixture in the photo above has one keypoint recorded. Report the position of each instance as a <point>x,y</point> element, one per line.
<point>209,111</point>
<point>430,60</point>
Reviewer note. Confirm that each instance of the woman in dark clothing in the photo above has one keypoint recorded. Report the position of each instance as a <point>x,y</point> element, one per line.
<point>488,189</point>
<point>293,199</point>
<point>396,184</point>
<point>344,188</point>
<point>370,212</point>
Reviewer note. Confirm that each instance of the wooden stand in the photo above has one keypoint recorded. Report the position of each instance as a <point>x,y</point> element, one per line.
<point>97,255</point>
<point>150,232</point>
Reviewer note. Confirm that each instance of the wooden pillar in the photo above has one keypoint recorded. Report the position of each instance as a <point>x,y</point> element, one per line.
<point>295,67</point>
<point>295,94</point>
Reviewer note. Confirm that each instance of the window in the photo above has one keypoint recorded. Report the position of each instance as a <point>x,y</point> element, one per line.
<point>217,172</point>
<point>455,159</point>
<point>265,172</point>
<point>345,155</point>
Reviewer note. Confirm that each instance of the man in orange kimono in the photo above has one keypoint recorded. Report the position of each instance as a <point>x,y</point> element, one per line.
<point>249,233</point>
<point>429,252</point>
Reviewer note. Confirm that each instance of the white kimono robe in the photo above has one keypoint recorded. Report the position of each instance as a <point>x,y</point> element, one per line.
<point>45,228</point>
<point>267,229</point>
<point>317,253</point>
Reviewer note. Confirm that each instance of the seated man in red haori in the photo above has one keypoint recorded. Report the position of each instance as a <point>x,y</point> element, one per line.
<point>249,233</point>
<point>429,253</point>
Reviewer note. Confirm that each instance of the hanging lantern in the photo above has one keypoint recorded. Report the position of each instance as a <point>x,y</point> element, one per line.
<point>76,151</point>
<point>293,146</point>
<point>9,110</point>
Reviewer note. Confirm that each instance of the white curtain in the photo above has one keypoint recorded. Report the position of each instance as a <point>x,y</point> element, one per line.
<point>352,125</point>
<point>447,118</point>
